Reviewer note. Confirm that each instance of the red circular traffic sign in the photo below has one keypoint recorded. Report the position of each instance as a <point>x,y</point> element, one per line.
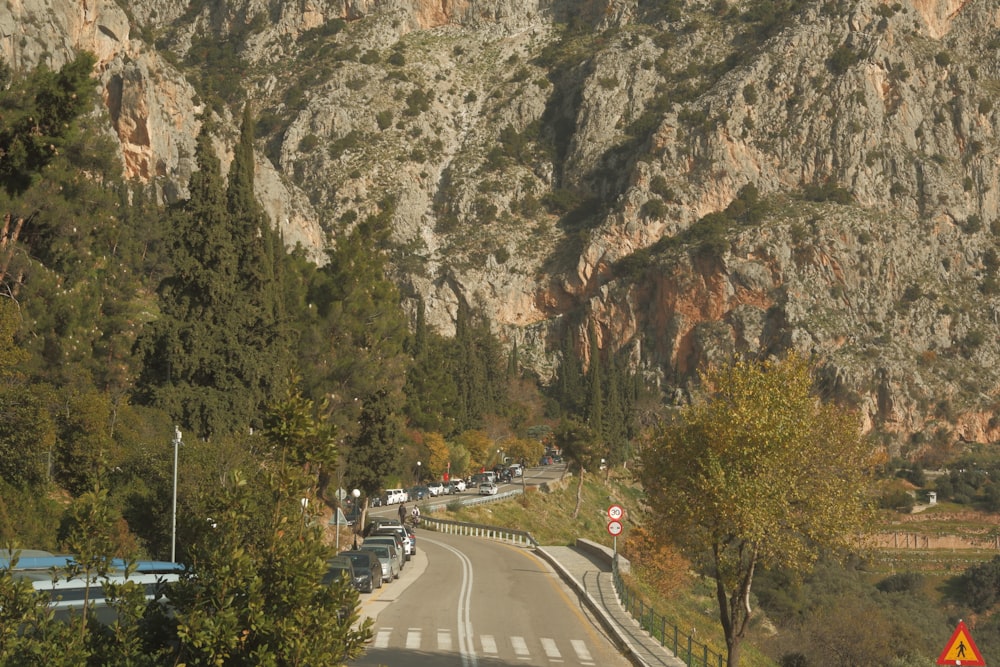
<point>615,512</point>
<point>615,528</point>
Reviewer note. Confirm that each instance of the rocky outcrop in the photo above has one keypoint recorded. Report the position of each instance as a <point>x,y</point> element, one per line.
<point>548,160</point>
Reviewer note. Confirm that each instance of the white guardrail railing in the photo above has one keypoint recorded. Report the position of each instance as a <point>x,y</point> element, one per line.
<point>520,537</point>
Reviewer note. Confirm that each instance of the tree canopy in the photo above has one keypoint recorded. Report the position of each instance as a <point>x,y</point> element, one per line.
<point>757,472</point>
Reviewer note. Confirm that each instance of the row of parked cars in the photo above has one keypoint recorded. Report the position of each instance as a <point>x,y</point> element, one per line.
<point>386,548</point>
<point>419,492</point>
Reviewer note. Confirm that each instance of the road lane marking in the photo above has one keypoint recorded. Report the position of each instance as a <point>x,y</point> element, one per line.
<point>413,639</point>
<point>466,642</point>
<point>520,648</point>
<point>582,652</point>
<point>382,638</point>
<point>560,588</point>
<point>444,640</point>
<point>489,644</point>
<point>551,650</point>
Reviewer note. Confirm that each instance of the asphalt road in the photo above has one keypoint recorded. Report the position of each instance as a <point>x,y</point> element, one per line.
<point>471,602</point>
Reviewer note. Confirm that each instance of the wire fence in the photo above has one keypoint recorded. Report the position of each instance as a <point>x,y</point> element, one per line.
<point>681,644</point>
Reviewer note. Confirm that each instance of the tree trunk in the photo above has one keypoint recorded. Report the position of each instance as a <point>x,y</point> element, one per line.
<point>579,495</point>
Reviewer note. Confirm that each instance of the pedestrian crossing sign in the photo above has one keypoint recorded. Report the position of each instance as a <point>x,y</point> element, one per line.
<point>961,650</point>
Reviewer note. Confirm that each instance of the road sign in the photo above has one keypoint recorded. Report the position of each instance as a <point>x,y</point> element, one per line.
<point>961,650</point>
<point>615,528</point>
<point>615,512</point>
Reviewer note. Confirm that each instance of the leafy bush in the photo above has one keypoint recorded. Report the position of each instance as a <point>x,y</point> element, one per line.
<point>349,141</point>
<point>842,59</point>
<point>827,191</point>
<point>384,119</point>
<point>980,585</point>
<point>898,500</point>
<point>902,582</point>
<point>308,143</point>
<point>653,208</point>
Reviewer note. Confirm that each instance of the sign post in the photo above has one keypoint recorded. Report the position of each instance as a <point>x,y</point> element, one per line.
<point>615,513</point>
<point>961,650</point>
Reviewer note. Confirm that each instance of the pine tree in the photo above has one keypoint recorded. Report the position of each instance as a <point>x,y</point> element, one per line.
<point>360,325</point>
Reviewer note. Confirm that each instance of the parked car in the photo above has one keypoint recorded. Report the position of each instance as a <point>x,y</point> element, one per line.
<point>382,536</point>
<point>376,522</point>
<point>339,567</point>
<point>367,569</point>
<point>396,496</point>
<point>419,493</point>
<point>487,489</point>
<point>384,553</point>
<point>516,470</point>
<point>455,486</point>
<point>436,488</point>
<point>403,533</point>
<point>481,477</point>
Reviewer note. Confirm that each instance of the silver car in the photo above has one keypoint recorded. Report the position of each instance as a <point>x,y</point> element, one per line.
<point>395,541</point>
<point>389,562</point>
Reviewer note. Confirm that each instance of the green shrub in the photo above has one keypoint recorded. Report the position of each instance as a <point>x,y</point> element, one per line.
<point>842,59</point>
<point>384,119</point>
<point>653,208</point>
<point>308,143</point>
<point>349,141</point>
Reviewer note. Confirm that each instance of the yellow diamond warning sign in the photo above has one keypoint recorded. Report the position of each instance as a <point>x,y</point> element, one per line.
<point>961,650</point>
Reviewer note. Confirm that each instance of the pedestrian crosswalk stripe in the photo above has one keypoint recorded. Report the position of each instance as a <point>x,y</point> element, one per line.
<point>582,653</point>
<point>551,650</point>
<point>489,644</point>
<point>520,648</point>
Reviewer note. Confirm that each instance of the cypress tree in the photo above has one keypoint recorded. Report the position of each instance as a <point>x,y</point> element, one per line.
<point>213,357</point>
<point>595,398</point>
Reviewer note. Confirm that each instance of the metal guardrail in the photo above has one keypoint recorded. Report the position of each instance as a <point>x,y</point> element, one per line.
<point>521,537</point>
<point>468,500</point>
<point>681,644</point>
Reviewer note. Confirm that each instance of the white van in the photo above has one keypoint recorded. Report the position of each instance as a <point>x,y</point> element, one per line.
<point>395,496</point>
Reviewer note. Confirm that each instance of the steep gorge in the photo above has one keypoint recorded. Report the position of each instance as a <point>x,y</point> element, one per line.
<point>586,166</point>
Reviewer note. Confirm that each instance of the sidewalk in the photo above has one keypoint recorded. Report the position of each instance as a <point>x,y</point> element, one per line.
<point>593,582</point>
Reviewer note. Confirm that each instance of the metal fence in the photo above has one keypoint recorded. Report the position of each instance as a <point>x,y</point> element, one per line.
<point>681,644</point>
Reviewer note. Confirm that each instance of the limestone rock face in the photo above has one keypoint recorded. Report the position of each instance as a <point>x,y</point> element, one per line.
<point>687,184</point>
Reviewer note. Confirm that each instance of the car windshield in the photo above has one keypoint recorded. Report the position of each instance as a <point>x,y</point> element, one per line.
<point>379,550</point>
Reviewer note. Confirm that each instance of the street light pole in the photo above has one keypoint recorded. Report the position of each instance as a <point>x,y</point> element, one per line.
<point>173,514</point>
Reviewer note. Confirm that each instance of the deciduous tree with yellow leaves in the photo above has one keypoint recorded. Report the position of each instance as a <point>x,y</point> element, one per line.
<point>757,471</point>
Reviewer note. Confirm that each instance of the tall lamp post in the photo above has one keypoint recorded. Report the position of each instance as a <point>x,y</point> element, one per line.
<point>173,514</point>
<point>418,472</point>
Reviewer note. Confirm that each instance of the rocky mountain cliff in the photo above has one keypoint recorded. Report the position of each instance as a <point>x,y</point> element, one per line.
<point>685,179</point>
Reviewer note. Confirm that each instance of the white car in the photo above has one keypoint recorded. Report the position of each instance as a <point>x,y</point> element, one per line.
<point>436,488</point>
<point>394,496</point>
<point>457,485</point>
<point>487,489</point>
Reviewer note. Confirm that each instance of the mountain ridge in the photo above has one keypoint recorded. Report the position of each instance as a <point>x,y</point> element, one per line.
<point>688,181</point>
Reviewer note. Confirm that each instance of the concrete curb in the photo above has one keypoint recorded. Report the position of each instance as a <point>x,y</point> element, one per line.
<point>609,624</point>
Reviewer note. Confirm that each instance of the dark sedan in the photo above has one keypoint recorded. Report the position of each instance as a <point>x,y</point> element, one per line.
<point>367,570</point>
